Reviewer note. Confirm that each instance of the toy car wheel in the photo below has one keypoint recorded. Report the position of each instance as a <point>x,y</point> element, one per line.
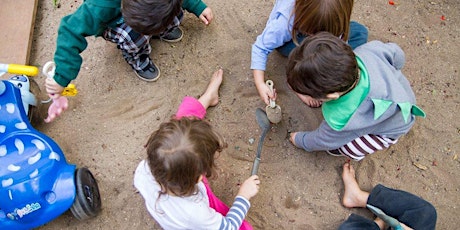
<point>36,113</point>
<point>87,201</point>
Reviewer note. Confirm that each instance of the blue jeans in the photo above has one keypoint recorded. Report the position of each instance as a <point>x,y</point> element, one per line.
<point>358,36</point>
<point>409,209</point>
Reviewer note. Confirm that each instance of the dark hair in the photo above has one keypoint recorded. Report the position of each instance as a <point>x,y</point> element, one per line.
<point>150,17</point>
<point>313,16</point>
<point>180,151</point>
<point>321,65</point>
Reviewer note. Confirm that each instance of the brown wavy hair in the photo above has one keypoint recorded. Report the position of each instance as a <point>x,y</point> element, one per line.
<point>321,65</point>
<point>313,16</point>
<point>150,17</point>
<point>180,151</point>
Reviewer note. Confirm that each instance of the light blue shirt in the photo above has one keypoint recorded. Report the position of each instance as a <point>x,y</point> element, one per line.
<point>277,32</point>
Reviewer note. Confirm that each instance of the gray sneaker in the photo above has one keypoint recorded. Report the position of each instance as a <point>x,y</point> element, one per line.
<point>174,35</point>
<point>152,73</point>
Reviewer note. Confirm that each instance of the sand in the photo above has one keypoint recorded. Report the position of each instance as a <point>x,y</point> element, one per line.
<point>110,119</point>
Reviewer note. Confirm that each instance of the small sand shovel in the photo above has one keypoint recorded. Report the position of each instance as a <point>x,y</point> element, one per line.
<point>273,110</point>
<point>264,124</point>
<point>392,222</point>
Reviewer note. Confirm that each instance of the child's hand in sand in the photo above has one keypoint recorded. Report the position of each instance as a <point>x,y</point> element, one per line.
<point>206,16</point>
<point>310,101</point>
<point>292,138</point>
<point>250,187</point>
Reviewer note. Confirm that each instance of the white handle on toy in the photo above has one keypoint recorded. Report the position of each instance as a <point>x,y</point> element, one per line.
<point>269,83</point>
<point>48,69</point>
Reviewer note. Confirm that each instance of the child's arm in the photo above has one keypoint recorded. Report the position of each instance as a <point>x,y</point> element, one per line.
<point>71,42</point>
<point>199,9</point>
<point>389,51</point>
<point>240,207</point>
<point>274,35</point>
<point>264,92</point>
<point>206,16</point>
<point>397,58</point>
<point>323,138</point>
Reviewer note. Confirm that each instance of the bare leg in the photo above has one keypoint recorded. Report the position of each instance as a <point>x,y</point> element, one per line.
<point>211,96</point>
<point>354,196</point>
<point>309,100</point>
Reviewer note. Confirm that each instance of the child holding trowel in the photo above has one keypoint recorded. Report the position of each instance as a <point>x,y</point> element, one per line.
<point>180,158</point>
<point>290,21</point>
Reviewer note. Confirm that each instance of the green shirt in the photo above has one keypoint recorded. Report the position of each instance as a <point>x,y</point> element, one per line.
<point>91,19</point>
<point>338,112</point>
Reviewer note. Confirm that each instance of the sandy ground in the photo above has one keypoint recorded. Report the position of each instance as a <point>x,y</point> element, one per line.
<point>111,118</point>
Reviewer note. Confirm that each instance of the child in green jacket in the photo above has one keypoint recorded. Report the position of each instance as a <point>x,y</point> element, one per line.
<point>128,23</point>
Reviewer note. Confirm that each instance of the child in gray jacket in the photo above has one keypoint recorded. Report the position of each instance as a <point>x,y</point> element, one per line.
<point>367,101</point>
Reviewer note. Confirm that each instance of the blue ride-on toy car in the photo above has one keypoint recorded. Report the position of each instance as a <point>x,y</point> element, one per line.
<point>37,183</point>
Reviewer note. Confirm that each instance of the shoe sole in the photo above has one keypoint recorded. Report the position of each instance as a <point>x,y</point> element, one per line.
<point>334,155</point>
<point>149,80</point>
<point>173,41</point>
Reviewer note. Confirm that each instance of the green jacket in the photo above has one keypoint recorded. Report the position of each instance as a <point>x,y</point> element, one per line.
<point>91,19</point>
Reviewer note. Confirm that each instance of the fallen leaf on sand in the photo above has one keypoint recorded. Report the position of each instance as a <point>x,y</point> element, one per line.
<point>422,167</point>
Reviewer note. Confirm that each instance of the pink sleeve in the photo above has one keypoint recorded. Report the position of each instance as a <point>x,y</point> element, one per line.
<point>190,107</point>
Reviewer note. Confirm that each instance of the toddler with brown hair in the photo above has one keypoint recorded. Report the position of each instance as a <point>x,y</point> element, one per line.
<point>290,21</point>
<point>367,102</point>
<point>180,158</point>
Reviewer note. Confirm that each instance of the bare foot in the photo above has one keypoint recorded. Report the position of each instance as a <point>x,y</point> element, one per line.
<point>310,101</point>
<point>211,96</point>
<point>353,196</point>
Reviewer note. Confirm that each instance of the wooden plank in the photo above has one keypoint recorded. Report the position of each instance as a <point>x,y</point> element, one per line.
<point>17,20</point>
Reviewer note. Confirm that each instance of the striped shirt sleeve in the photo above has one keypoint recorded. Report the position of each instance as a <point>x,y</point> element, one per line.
<point>236,214</point>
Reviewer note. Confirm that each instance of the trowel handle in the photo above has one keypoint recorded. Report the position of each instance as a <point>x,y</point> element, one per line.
<point>255,166</point>
<point>270,84</point>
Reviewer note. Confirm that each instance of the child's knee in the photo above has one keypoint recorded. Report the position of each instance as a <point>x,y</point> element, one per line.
<point>358,34</point>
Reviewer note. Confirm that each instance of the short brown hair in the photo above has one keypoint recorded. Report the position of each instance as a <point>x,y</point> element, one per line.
<point>150,17</point>
<point>180,151</point>
<point>321,65</point>
<point>313,16</point>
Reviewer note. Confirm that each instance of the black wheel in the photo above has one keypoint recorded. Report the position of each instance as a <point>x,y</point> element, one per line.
<point>87,201</point>
<point>39,112</point>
